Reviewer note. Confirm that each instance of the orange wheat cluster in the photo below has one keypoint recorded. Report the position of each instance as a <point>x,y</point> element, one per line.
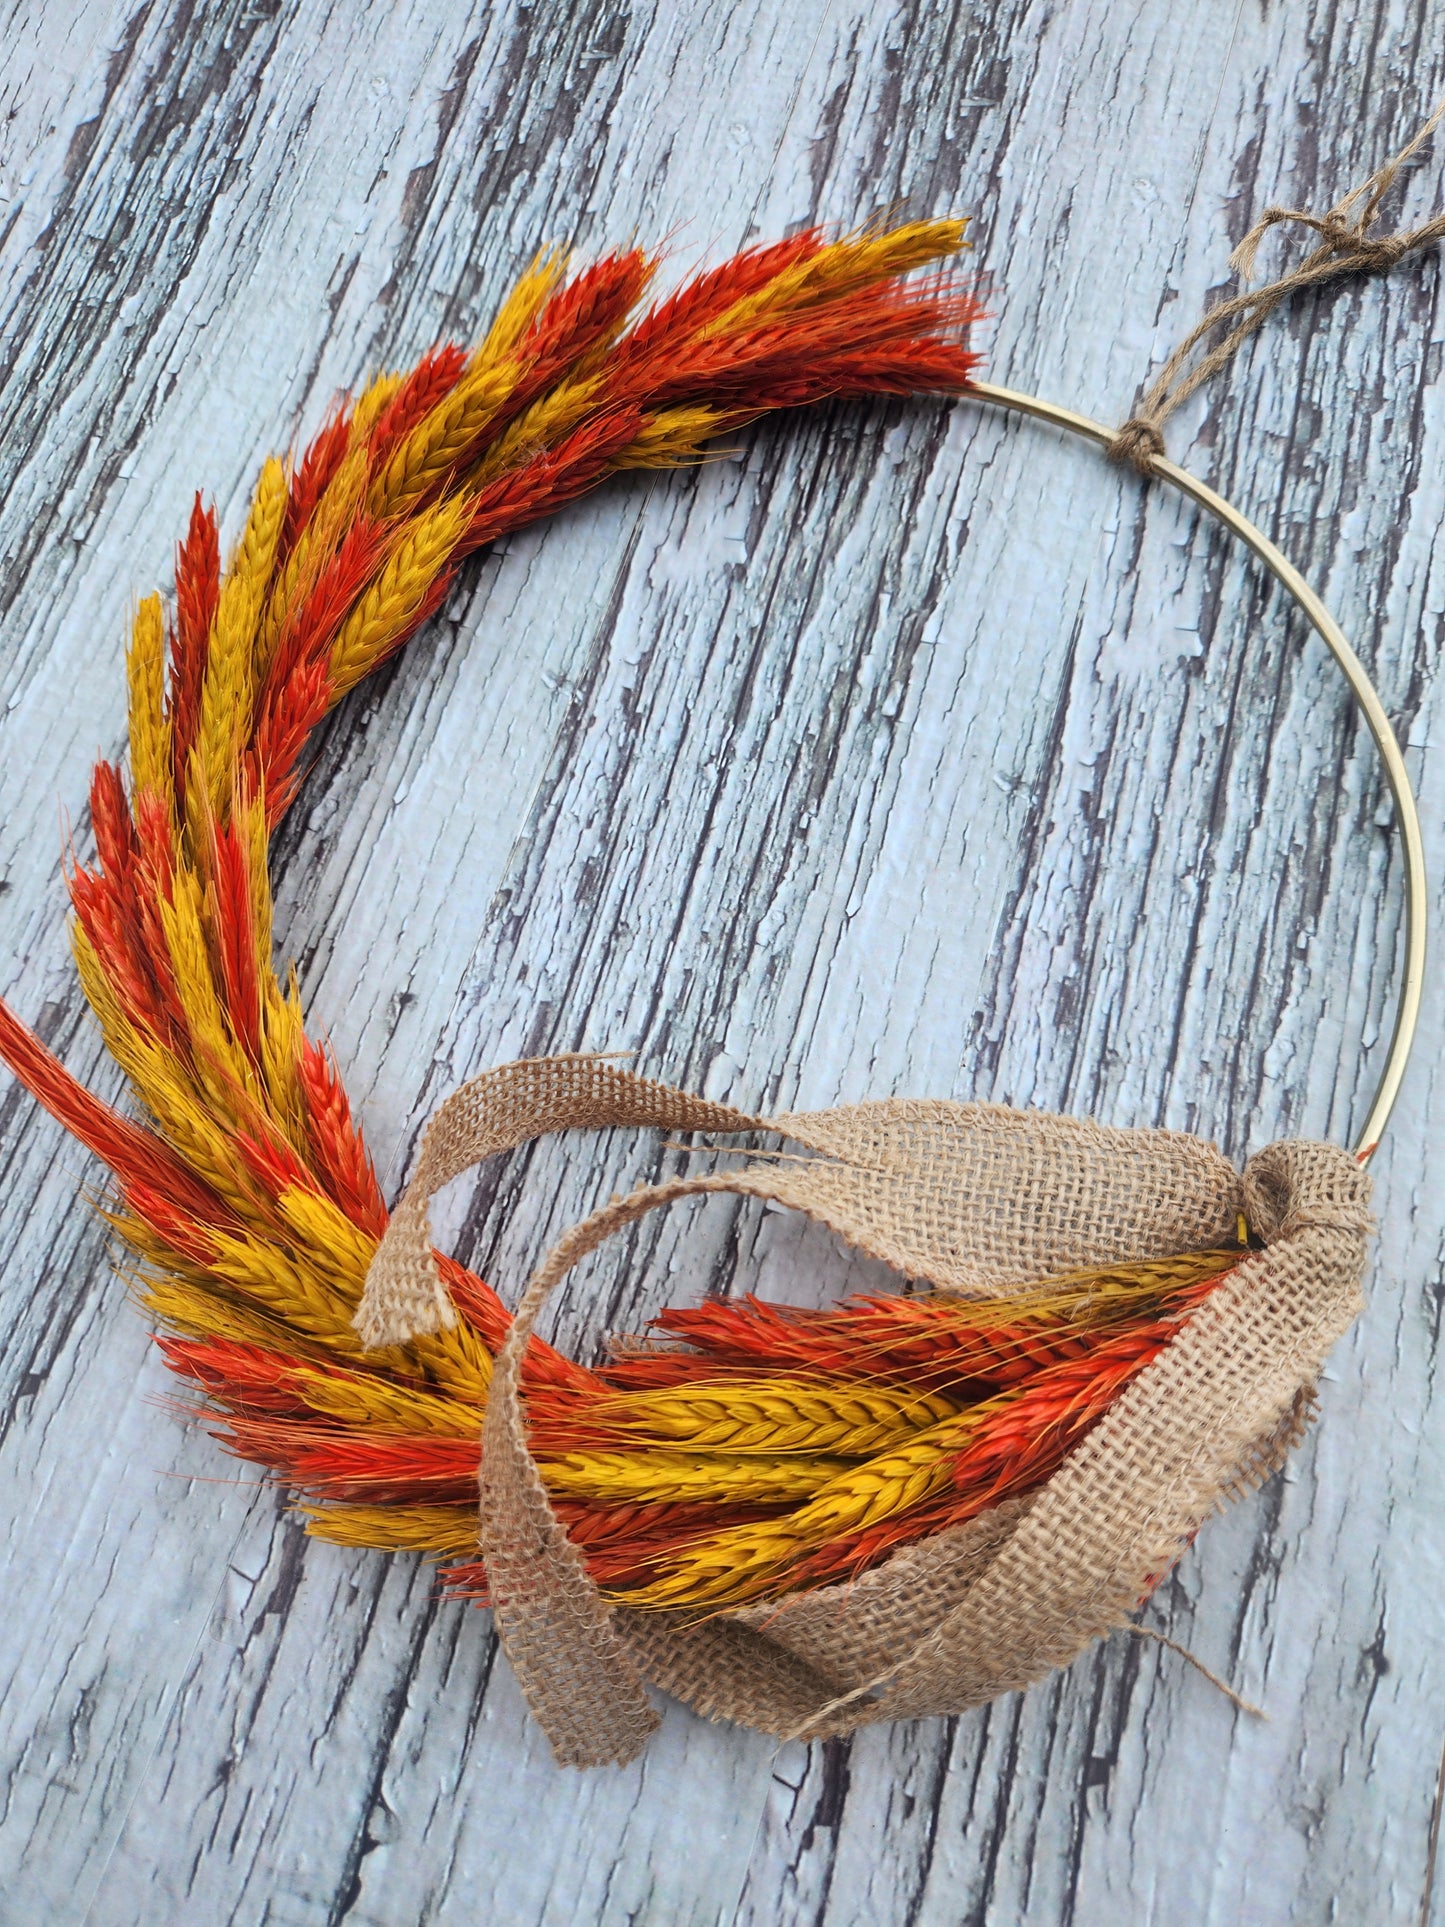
<point>751,1450</point>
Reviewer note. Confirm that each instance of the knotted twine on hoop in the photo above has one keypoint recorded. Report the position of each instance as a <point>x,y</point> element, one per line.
<point>1346,247</point>
<point>974,1198</point>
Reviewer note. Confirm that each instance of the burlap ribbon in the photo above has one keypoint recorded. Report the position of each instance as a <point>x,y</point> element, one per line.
<point>973,1198</point>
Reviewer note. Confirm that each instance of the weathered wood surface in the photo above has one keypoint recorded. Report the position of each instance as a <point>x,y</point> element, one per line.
<point>914,751</point>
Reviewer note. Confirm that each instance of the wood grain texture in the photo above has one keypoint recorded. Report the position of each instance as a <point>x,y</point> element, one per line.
<point>913,751</point>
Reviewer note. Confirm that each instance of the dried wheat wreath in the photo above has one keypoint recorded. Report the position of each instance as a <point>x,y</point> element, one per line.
<point>801,1520</point>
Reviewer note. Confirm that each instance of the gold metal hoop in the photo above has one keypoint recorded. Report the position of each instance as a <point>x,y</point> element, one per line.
<point>1407,1011</point>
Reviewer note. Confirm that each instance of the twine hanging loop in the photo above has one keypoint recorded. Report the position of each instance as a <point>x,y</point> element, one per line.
<point>1346,246</point>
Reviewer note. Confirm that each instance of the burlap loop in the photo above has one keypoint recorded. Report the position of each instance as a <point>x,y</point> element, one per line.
<point>496,1112</point>
<point>971,1197</point>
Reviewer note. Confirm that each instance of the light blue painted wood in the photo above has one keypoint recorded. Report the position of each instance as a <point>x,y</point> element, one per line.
<point>909,752</point>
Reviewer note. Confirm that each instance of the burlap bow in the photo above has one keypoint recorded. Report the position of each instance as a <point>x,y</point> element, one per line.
<point>973,1198</point>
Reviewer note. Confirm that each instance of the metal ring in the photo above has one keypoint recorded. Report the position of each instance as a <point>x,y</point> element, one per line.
<point>1407,1010</point>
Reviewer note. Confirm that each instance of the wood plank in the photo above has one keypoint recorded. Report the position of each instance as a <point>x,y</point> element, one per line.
<point>876,760</point>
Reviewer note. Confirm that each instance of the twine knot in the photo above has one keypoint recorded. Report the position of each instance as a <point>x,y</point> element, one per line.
<point>1137,442</point>
<point>1355,250</point>
<point>1345,246</point>
<point>1378,255</point>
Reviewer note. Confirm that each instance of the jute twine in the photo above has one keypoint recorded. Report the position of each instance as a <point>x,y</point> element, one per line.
<point>973,1198</point>
<point>1346,247</point>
